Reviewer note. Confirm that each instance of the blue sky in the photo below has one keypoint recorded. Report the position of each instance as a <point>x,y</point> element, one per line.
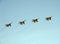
<point>43,32</point>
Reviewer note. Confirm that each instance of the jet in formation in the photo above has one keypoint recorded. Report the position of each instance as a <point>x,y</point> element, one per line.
<point>22,22</point>
<point>48,18</point>
<point>34,20</point>
<point>8,25</point>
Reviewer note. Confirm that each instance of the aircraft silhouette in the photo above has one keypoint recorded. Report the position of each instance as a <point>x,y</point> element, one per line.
<point>8,25</point>
<point>48,18</point>
<point>34,20</point>
<point>22,22</point>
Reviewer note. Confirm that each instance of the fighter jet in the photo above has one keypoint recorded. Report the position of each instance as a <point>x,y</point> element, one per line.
<point>8,25</point>
<point>34,20</point>
<point>48,18</point>
<point>22,22</point>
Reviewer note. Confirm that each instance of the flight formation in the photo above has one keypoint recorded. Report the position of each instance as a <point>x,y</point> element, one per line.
<point>33,20</point>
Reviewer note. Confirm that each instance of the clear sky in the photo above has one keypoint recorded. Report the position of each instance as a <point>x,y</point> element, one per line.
<point>43,32</point>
